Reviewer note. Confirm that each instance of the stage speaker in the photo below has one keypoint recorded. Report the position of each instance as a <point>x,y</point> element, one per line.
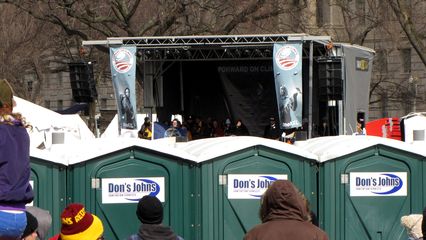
<point>82,81</point>
<point>330,78</point>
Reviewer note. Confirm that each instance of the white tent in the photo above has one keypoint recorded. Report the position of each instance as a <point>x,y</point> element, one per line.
<point>50,127</point>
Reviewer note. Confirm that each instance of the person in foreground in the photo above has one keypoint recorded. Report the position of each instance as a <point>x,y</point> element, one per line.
<point>77,224</point>
<point>30,232</point>
<point>150,213</point>
<point>284,216</point>
<point>15,188</point>
<point>44,221</point>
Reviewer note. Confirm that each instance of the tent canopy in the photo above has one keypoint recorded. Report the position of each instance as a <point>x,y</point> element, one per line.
<point>49,126</point>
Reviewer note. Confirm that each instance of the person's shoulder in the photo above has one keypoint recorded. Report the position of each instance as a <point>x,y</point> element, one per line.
<point>320,233</point>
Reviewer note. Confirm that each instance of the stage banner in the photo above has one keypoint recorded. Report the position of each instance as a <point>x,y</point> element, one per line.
<point>123,72</point>
<point>288,83</point>
<point>248,88</point>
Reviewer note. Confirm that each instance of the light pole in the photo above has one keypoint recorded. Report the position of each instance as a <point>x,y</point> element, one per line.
<point>413,91</point>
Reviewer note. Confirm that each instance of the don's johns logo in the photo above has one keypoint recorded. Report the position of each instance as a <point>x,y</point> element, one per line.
<point>245,186</point>
<point>378,184</point>
<point>287,57</point>
<point>127,190</point>
<point>122,60</point>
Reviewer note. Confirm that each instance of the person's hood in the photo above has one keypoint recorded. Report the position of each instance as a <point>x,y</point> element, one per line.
<point>282,201</point>
<point>156,232</point>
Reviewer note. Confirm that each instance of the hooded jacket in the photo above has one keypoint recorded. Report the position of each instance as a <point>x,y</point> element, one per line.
<point>155,232</point>
<point>15,190</point>
<point>283,214</point>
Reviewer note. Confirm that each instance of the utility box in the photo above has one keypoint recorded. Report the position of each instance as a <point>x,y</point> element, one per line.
<point>48,179</point>
<point>118,172</point>
<point>233,174</point>
<point>366,184</point>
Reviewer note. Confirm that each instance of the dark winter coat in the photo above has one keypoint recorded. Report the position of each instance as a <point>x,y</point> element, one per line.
<point>241,131</point>
<point>283,214</point>
<point>154,232</point>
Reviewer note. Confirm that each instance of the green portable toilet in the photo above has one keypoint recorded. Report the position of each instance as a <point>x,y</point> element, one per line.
<point>233,174</point>
<point>109,177</point>
<point>366,185</point>
<point>48,179</point>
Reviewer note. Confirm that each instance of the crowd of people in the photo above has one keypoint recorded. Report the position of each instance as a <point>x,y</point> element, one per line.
<point>196,128</point>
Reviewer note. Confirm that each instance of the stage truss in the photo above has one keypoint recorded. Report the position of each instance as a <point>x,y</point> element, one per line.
<point>203,48</point>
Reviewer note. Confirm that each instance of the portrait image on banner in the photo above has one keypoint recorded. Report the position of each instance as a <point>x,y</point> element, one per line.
<point>288,83</point>
<point>123,72</point>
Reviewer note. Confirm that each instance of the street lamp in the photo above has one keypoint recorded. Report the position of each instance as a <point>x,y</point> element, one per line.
<point>413,91</point>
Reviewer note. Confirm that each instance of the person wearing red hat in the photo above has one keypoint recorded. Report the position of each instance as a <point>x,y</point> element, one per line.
<point>77,224</point>
<point>15,189</point>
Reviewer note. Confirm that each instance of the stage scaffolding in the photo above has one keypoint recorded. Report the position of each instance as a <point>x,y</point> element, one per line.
<point>154,51</point>
<point>229,47</point>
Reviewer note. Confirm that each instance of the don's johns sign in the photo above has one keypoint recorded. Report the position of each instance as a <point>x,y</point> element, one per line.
<point>130,190</point>
<point>250,186</point>
<point>378,184</point>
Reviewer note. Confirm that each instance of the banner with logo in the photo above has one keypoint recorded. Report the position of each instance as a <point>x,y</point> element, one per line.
<point>130,190</point>
<point>378,184</point>
<point>288,83</point>
<point>250,186</point>
<point>123,72</point>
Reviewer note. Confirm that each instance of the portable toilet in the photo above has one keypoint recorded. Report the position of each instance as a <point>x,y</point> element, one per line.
<point>233,174</point>
<point>109,176</point>
<point>366,184</point>
<point>48,179</point>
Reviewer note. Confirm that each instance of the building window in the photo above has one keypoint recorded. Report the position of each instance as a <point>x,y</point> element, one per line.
<point>320,13</point>
<point>384,104</point>
<point>60,105</point>
<point>406,60</point>
<point>381,61</point>
<point>104,103</point>
<point>360,10</point>
<point>29,86</point>
<point>60,79</point>
<point>47,82</point>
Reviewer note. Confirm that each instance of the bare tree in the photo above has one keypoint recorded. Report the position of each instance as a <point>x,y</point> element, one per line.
<point>360,18</point>
<point>98,19</point>
<point>22,45</point>
<point>405,15</point>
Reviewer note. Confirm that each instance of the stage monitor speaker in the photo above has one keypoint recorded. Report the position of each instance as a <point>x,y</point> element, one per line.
<point>82,82</point>
<point>330,78</point>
